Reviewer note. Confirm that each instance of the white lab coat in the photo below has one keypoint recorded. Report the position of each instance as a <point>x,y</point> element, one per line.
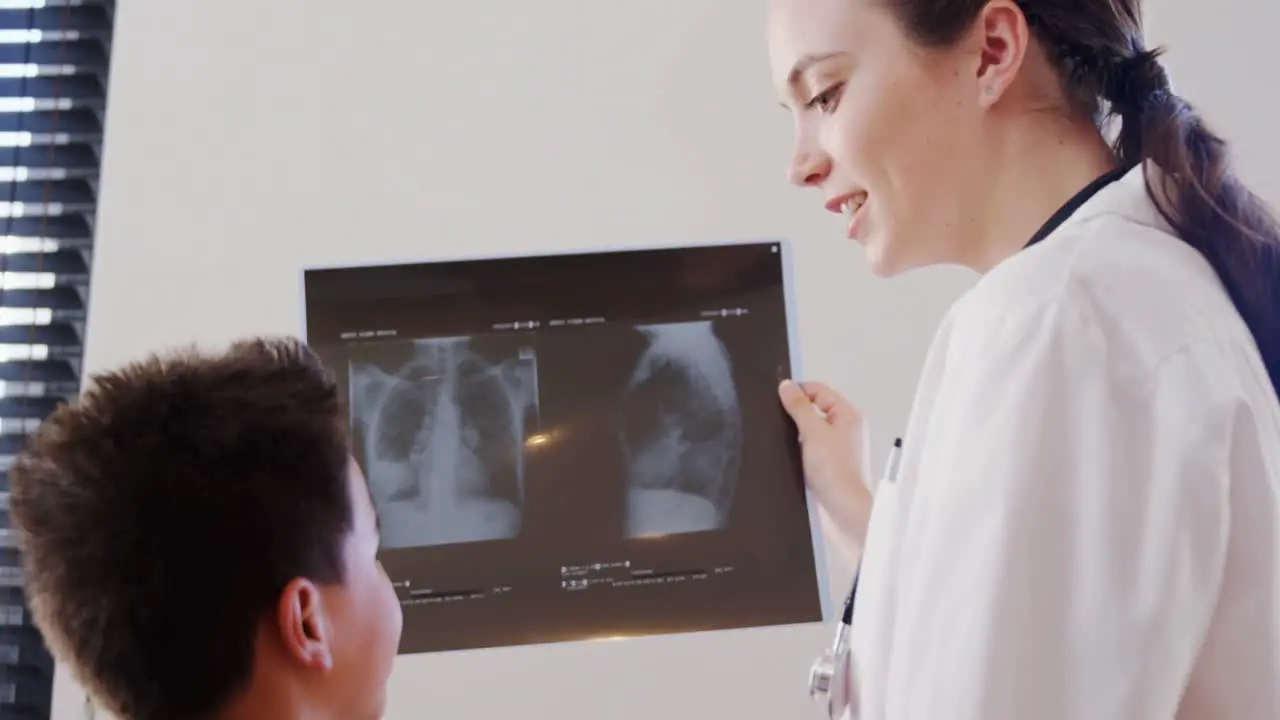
<point>1086,525</point>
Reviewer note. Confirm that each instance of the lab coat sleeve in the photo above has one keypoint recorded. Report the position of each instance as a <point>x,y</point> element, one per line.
<point>1067,538</point>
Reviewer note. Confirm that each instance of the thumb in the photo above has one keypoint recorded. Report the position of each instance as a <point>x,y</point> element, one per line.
<point>799,407</point>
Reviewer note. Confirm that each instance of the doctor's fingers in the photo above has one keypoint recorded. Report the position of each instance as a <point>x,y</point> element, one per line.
<point>839,411</point>
<point>813,404</point>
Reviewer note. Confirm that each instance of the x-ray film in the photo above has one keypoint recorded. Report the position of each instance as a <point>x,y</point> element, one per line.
<point>559,452</point>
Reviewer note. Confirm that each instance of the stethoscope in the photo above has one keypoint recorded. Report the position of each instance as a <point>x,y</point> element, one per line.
<point>830,672</point>
<point>831,677</point>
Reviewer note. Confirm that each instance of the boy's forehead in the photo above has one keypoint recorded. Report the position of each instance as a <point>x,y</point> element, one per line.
<point>354,472</point>
<point>361,499</point>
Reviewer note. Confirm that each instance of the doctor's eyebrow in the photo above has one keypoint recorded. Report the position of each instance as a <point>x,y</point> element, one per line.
<point>807,61</point>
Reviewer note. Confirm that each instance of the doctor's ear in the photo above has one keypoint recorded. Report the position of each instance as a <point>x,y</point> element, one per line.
<point>1001,39</point>
<point>303,625</point>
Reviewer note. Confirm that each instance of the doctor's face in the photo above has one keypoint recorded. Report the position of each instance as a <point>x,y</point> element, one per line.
<point>885,130</point>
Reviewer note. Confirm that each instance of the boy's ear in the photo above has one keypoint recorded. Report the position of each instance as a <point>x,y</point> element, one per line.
<point>303,625</point>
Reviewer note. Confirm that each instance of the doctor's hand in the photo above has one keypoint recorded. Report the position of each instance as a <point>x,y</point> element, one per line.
<point>833,440</point>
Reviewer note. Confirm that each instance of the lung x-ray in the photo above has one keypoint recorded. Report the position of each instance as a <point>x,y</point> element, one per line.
<point>681,432</point>
<point>444,428</point>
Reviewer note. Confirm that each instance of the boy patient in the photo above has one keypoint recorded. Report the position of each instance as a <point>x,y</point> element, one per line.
<point>199,545</point>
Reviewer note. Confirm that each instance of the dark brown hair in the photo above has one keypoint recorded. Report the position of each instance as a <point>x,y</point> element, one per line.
<point>163,513</point>
<point>1107,71</point>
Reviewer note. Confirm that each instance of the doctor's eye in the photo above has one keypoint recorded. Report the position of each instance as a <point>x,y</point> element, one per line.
<point>826,100</point>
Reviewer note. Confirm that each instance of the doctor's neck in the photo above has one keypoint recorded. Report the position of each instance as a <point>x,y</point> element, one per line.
<point>1041,161</point>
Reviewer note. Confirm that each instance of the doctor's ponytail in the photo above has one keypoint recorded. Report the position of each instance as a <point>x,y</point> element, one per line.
<point>1107,73</point>
<point>1195,190</point>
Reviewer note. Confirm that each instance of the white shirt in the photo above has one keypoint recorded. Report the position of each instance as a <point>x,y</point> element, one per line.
<point>1086,525</point>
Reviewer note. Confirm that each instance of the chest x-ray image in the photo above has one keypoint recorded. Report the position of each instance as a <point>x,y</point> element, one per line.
<point>444,429</point>
<point>681,432</point>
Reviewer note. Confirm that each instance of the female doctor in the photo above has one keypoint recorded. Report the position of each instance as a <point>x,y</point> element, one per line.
<point>1086,523</point>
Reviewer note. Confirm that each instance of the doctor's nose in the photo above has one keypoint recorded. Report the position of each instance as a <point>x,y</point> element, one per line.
<point>809,168</point>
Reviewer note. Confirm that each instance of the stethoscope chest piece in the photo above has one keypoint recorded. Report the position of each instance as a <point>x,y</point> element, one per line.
<point>829,675</point>
<point>821,675</point>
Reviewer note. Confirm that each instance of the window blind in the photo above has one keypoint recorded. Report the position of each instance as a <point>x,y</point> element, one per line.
<point>54,63</point>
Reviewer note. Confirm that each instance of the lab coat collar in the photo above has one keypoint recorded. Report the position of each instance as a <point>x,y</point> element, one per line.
<point>1127,198</point>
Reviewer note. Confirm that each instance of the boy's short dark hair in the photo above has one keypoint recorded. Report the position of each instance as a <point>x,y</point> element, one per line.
<point>165,511</point>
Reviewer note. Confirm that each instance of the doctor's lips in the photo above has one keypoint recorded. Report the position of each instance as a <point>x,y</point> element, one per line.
<point>849,205</point>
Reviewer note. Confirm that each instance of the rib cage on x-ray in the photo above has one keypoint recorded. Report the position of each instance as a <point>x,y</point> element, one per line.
<point>681,432</point>
<point>444,436</point>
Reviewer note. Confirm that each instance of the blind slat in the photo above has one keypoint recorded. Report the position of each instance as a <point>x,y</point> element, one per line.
<point>93,17</point>
<point>79,156</point>
<point>22,650</point>
<point>42,88</point>
<point>74,192</point>
<point>59,298</point>
<point>46,371</point>
<point>71,231</point>
<point>61,334</point>
<point>22,408</point>
<point>89,52</point>
<point>62,262</point>
<point>84,123</point>
<point>23,698</point>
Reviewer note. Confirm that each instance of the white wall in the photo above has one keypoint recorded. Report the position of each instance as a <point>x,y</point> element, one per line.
<point>247,139</point>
